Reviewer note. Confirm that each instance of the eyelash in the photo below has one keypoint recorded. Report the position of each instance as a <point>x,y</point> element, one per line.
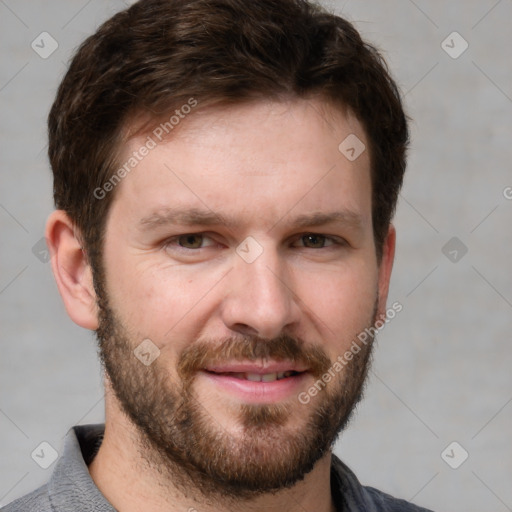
<point>173,241</point>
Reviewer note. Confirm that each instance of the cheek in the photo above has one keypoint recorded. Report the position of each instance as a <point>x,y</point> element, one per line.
<point>342,302</point>
<point>159,301</point>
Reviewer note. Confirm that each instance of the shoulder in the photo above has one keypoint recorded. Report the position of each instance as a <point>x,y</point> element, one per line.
<point>385,503</point>
<point>36,501</point>
<point>70,486</point>
<point>351,496</point>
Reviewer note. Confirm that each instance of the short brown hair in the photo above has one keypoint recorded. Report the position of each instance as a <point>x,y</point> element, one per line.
<point>157,54</point>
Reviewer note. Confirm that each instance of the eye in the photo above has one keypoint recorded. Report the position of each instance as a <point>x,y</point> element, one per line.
<point>190,241</point>
<point>317,241</point>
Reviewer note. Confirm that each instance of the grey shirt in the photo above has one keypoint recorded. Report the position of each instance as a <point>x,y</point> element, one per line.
<point>71,488</point>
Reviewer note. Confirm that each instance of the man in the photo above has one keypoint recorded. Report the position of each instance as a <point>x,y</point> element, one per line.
<point>225,175</point>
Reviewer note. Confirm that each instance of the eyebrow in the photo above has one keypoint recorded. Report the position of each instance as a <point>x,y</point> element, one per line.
<point>198,217</point>
<point>188,217</point>
<point>346,217</point>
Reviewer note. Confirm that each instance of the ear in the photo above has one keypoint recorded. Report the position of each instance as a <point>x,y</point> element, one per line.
<point>72,272</point>
<point>385,267</point>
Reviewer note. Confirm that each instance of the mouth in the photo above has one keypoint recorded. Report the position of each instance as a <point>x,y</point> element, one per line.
<point>256,382</point>
<point>259,377</point>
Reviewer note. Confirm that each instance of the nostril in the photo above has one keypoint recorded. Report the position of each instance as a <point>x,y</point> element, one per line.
<point>244,329</point>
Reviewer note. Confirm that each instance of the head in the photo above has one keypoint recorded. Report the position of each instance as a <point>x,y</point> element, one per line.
<point>206,205</point>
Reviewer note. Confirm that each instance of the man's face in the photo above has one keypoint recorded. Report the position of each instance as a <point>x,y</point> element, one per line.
<point>243,249</point>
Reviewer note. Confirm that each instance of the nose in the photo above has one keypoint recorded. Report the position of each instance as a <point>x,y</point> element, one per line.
<point>260,299</point>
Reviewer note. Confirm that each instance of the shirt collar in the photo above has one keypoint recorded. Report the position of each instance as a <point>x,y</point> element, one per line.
<point>71,487</point>
<point>347,492</point>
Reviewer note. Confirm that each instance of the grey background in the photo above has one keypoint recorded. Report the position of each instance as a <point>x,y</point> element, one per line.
<point>442,370</point>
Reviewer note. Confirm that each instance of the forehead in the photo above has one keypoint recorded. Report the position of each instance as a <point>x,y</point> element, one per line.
<point>263,158</point>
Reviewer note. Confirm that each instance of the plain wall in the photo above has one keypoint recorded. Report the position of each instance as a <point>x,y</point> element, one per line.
<point>442,368</point>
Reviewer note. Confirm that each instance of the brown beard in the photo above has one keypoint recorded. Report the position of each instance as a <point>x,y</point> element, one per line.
<point>180,439</point>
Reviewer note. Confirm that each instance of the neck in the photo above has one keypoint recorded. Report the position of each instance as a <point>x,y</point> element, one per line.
<point>130,484</point>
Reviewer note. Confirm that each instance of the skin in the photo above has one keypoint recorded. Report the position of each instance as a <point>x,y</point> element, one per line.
<point>262,165</point>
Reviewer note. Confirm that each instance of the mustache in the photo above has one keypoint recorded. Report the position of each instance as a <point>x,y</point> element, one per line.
<point>253,348</point>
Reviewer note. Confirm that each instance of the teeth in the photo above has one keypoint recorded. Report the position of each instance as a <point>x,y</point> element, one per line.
<point>266,377</point>
<point>258,377</point>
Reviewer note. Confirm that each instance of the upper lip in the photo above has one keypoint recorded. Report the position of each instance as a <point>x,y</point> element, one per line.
<point>258,368</point>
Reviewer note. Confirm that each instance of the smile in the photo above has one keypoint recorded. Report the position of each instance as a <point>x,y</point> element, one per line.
<point>259,377</point>
<point>269,382</point>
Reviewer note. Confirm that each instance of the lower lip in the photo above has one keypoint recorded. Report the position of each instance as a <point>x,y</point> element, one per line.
<point>259,392</point>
